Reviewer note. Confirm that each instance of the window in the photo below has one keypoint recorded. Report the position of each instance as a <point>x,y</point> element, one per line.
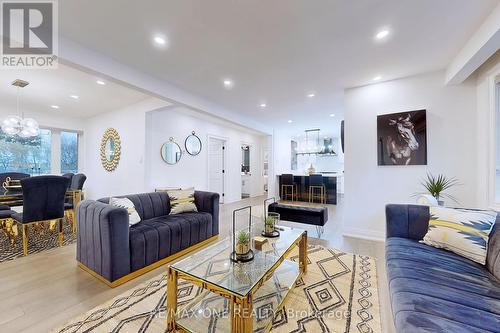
<point>69,152</point>
<point>31,155</point>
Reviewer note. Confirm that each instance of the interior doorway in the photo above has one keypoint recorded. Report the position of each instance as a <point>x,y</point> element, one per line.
<point>246,174</point>
<point>216,166</point>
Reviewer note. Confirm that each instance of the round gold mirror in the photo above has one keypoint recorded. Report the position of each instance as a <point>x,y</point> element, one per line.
<point>110,149</point>
<point>171,152</point>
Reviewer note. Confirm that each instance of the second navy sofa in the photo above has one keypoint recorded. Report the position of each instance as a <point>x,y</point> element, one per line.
<point>111,250</point>
<point>433,290</point>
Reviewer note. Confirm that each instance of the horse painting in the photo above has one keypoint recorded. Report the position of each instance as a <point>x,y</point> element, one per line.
<point>398,140</point>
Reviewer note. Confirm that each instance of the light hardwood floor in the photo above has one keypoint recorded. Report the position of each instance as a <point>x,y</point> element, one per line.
<point>45,290</point>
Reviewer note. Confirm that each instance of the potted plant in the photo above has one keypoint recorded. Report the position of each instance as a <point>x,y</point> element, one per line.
<point>243,243</point>
<point>437,185</point>
<point>269,225</point>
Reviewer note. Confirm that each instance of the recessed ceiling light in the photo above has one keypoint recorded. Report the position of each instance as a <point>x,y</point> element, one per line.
<point>377,78</point>
<point>311,95</point>
<point>290,121</point>
<point>159,40</point>
<point>382,34</point>
<point>332,114</point>
<point>100,82</point>
<point>55,106</point>
<point>263,105</point>
<point>74,96</point>
<point>228,84</point>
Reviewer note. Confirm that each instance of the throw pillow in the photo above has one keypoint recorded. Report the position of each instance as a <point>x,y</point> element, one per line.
<point>462,231</point>
<point>182,201</point>
<point>133,216</point>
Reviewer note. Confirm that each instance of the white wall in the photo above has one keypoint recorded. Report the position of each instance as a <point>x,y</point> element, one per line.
<point>129,176</point>
<point>451,147</point>
<point>486,131</point>
<point>179,122</point>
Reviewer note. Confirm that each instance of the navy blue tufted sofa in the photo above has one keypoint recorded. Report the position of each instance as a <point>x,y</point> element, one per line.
<point>114,252</point>
<point>434,290</point>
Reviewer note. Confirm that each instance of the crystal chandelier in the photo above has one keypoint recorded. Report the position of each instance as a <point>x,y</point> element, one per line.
<point>18,125</point>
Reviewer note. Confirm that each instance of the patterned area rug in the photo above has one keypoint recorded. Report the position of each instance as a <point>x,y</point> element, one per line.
<point>337,294</point>
<point>37,242</point>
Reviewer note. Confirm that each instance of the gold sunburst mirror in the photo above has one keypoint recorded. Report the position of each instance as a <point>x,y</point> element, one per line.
<point>110,149</point>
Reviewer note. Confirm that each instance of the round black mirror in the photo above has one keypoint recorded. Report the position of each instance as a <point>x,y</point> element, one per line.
<point>193,144</point>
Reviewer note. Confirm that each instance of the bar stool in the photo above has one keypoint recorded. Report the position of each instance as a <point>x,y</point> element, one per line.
<point>315,184</point>
<point>287,184</point>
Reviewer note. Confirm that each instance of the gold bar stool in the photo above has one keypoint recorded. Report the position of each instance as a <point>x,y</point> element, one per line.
<point>315,184</point>
<point>288,187</point>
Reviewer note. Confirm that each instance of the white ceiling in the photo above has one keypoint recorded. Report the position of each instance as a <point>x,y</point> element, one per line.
<point>55,86</point>
<point>276,51</point>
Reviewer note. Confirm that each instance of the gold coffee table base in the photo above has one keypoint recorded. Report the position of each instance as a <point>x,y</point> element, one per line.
<point>240,307</point>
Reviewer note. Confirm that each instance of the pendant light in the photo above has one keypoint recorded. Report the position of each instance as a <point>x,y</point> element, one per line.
<point>18,125</point>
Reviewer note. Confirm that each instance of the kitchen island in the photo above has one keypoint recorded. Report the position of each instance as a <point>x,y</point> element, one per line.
<point>302,181</point>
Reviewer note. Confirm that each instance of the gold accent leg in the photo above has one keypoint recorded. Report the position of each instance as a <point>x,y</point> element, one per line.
<point>232,308</point>
<point>25,240</point>
<point>60,233</point>
<point>73,220</point>
<point>247,308</point>
<point>303,253</point>
<point>171,298</point>
<point>13,231</point>
<point>52,227</point>
<point>70,217</point>
<point>241,319</point>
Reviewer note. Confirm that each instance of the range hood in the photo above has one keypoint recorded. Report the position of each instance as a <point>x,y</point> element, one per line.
<point>327,148</point>
<point>313,145</point>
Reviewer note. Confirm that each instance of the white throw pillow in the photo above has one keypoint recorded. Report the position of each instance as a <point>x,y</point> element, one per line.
<point>133,216</point>
<point>182,201</point>
<point>462,231</point>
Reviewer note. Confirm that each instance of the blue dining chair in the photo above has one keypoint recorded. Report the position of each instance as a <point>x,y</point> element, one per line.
<point>43,201</point>
<point>77,182</point>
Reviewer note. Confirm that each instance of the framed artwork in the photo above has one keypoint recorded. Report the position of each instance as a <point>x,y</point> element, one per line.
<point>402,138</point>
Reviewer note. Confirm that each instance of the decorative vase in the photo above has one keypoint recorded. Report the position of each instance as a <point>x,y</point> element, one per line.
<point>269,228</point>
<point>242,248</point>
<point>311,170</point>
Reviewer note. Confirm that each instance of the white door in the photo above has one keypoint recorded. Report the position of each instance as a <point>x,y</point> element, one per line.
<point>216,172</point>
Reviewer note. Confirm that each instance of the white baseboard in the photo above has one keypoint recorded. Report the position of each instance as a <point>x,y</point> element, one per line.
<point>377,236</point>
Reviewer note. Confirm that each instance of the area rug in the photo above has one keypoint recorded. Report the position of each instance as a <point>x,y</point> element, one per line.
<point>37,242</point>
<point>337,294</point>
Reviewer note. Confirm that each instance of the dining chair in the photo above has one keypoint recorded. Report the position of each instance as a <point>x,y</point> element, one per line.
<point>43,201</point>
<point>287,185</point>
<point>69,175</point>
<point>77,182</point>
<point>315,184</point>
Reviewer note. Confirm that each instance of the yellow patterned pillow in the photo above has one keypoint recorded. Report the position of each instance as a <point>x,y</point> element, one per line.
<point>462,231</point>
<point>182,201</point>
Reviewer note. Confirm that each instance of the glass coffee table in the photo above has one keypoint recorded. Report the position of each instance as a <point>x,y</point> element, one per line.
<point>228,290</point>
